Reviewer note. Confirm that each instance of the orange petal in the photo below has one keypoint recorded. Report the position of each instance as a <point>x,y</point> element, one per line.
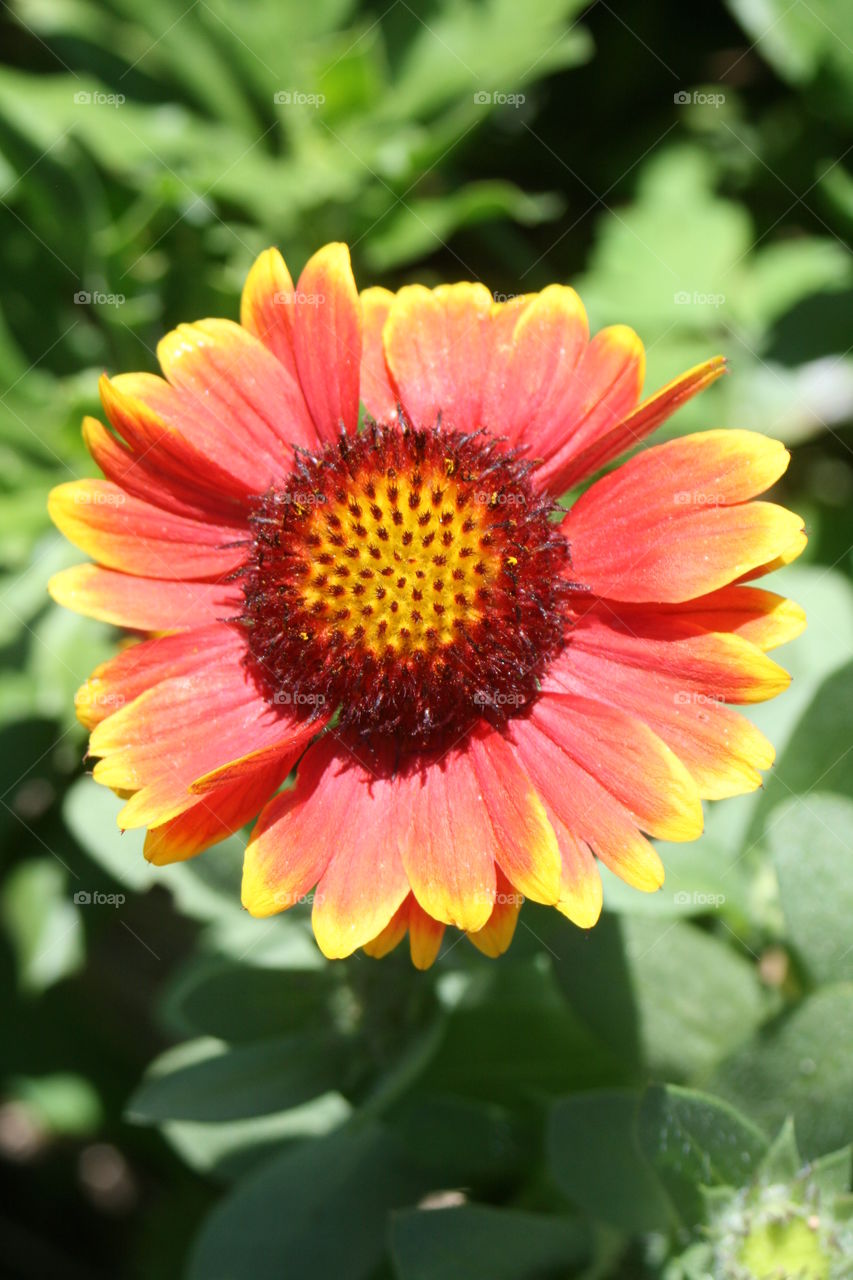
<point>425,935</point>
<point>497,933</point>
<point>378,394</point>
<point>266,307</point>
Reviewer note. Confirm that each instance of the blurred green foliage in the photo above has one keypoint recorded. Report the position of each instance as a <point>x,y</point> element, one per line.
<point>187,1092</point>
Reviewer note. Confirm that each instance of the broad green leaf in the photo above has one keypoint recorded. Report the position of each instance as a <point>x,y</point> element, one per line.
<point>611,1181</point>
<point>205,1080</point>
<point>799,1065</point>
<point>694,1140</point>
<point>317,1212</point>
<point>810,840</point>
<point>503,1244</point>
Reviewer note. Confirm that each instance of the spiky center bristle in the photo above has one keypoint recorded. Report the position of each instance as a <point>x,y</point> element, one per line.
<point>409,579</point>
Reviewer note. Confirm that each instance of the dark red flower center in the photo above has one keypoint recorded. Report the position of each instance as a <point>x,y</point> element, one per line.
<point>411,580</point>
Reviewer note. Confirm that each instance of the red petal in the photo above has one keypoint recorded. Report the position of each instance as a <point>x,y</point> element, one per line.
<point>266,307</point>
<point>378,394</point>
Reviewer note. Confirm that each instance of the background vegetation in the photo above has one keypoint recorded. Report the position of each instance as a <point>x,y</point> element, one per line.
<point>188,1093</point>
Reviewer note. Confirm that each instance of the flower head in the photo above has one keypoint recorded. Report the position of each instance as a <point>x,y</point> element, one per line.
<point>483,693</point>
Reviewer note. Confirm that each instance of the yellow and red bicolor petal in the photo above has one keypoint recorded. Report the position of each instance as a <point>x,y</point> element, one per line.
<point>631,762</point>
<point>186,469</point>
<point>266,307</point>
<point>722,750</point>
<point>393,933</point>
<point>143,604</point>
<point>378,394</point>
<point>497,933</point>
<point>425,935</point>
<point>762,617</point>
<point>124,533</point>
<point>536,344</point>
<point>218,813</point>
<point>604,388</point>
<point>253,409</point>
<point>327,340</point>
<point>720,666</point>
<point>524,840</point>
<point>581,455</point>
<point>587,809</point>
<point>117,682</point>
<point>299,830</point>
<point>581,893</point>
<point>675,522</point>
<point>185,727</point>
<point>449,844</point>
<point>437,350</point>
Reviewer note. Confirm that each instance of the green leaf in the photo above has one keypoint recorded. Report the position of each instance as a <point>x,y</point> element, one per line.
<point>231,1148</point>
<point>799,1064</point>
<point>238,1002</point>
<point>647,985</point>
<point>204,1080</point>
<point>810,841</point>
<point>694,1140</point>
<point>503,1244</point>
<point>42,923</point>
<point>611,1181</point>
<point>316,1212</point>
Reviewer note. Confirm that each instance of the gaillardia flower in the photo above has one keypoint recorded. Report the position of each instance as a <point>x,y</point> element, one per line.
<point>482,693</point>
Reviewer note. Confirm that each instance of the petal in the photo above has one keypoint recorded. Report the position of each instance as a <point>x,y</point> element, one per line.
<point>630,761</point>
<point>378,394</point>
<point>254,407</point>
<point>124,533</point>
<point>449,843</point>
<point>425,935</point>
<point>581,894</point>
<point>572,464</point>
<point>183,728</point>
<point>526,847</point>
<point>143,604</point>
<point>587,809</point>
<point>604,389</point>
<point>160,448</point>
<point>762,617</point>
<point>364,882</point>
<point>299,830</point>
<point>437,349</point>
<point>139,667</point>
<point>722,750</point>
<point>536,344</point>
<point>673,522</point>
<point>723,668</point>
<point>327,338</point>
<point>216,816</point>
<point>497,933</point>
<point>393,933</point>
<point>266,307</point>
